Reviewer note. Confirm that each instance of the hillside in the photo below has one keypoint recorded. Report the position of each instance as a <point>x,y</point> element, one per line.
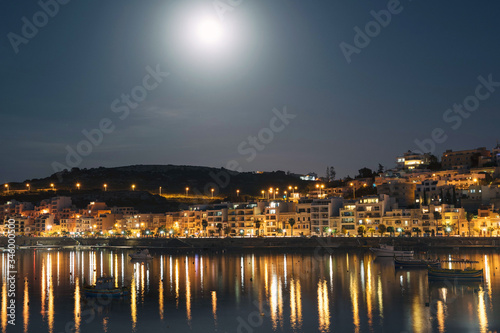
<point>148,178</point>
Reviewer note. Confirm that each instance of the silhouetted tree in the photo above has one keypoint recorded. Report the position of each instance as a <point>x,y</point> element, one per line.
<point>330,174</point>
<point>365,173</point>
<point>434,163</point>
<point>361,230</point>
<point>469,217</point>
<point>291,222</point>
<point>380,168</point>
<point>257,225</point>
<point>382,229</point>
<point>204,223</point>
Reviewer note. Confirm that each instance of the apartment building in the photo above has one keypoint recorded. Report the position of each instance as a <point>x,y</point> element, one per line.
<point>20,224</point>
<point>322,210</point>
<point>401,190</point>
<point>303,217</point>
<point>486,223</point>
<point>465,159</point>
<point>348,217</point>
<point>411,160</point>
<point>404,221</point>
<point>435,192</point>
<point>42,225</point>
<point>371,209</point>
<point>240,217</point>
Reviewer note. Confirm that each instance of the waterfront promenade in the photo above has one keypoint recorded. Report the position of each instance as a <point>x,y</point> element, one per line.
<point>278,243</point>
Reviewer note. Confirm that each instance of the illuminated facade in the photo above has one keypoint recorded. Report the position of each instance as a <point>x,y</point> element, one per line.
<point>465,159</point>
<point>411,160</point>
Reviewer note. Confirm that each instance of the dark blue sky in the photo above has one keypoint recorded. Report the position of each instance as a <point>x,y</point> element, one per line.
<point>277,54</point>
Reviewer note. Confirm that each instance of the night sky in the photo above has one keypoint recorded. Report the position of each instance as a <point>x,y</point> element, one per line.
<point>72,74</point>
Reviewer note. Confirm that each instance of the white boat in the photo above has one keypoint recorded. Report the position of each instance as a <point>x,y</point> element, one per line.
<point>141,255</point>
<point>388,251</point>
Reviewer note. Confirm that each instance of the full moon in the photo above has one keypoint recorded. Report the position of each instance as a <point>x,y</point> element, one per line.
<point>210,31</point>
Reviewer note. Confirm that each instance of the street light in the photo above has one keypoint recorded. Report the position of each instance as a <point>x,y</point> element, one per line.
<point>263,194</point>
<point>7,187</point>
<point>52,185</point>
<point>133,187</point>
<point>212,190</point>
<point>320,187</point>
<point>160,190</point>
<point>354,190</point>
<point>78,186</point>
<point>105,187</point>
<point>187,191</point>
<point>28,186</point>
<point>237,193</point>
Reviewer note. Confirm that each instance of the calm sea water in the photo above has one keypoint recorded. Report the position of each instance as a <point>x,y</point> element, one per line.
<point>256,292</point>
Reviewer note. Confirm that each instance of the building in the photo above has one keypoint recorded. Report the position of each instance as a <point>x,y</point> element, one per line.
<point>303,218</point>
<point>275,215</point>
<point>404,221</point>
<point>240,217</point>
<point>486,223</point>
<point>43,225</point>
<point>370,210</point>
<point>348,218</point>
<point>411,160</point>
<point>402,191</point>
<point>20,224</point>
<point>322,210</point>
<point>310,176</point>
<point>465,159</point>
<point>435,192</point>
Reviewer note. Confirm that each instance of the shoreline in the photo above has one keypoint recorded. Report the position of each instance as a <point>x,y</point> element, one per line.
<point>267,243</point>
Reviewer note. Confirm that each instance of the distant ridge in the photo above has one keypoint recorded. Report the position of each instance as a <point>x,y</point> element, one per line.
<point>172,179</point>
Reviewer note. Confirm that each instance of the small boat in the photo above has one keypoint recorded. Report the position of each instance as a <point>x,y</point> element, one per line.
<point>416,263</point>
<point>452,274</point>
<point>388,251</point>
<point>104,286</point>
<point>141,255</point>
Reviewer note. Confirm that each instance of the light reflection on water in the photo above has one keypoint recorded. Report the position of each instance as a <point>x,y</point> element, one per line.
<point>245,292</point>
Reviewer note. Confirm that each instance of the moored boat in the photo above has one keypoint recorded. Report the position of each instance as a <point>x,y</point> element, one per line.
<point>416,263</point>
<point>389,251</point>
<point>141,255</point>
<point>104,286</point>
<point>452,274</point>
